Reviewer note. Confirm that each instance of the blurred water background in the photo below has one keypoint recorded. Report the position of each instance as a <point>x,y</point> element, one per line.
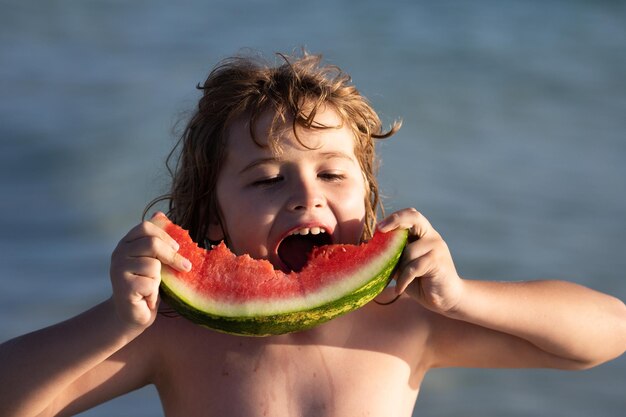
<point>513,145</point>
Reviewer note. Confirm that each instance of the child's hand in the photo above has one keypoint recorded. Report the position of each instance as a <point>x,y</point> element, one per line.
<point>426,270</point>
<point>136,272</point>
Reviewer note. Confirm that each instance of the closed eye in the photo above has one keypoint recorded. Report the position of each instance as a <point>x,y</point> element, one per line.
<point>332,176</point>
<point>264,182</point>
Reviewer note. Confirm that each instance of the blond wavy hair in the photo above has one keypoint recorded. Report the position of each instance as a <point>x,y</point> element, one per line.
<point>294,89</point>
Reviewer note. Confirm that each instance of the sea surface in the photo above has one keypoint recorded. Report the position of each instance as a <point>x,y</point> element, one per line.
<point>513,144</point>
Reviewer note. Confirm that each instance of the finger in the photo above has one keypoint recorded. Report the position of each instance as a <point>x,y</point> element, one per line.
<point>414,250</point>
<point>144,267</point>
<point>146,229</point>
<point>144,289</point>
<point>153,300</point>
<point>179,262</point>
<point>125,277</point>
<point>415,269</point>
<point>132,287</point>
<point>155,247</point>
<point>405,276</point>
<point>409,219</point>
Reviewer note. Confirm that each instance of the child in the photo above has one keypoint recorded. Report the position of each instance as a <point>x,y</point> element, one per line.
<point>272,151</point>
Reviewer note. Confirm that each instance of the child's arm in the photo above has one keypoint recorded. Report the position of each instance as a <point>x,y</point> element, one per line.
<point>88,359</point>
<point>497,324</point>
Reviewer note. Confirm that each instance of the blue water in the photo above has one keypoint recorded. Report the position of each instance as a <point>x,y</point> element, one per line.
<point>513,145</point>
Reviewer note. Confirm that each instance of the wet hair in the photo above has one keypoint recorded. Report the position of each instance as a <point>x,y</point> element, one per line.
<point>294,89</point>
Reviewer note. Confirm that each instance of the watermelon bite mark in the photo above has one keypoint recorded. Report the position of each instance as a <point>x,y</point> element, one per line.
<point>244,296</point>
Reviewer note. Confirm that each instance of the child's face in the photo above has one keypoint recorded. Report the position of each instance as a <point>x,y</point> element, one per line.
<point>265,197</point>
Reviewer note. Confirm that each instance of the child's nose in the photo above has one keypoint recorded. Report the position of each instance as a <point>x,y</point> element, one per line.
<point>306,195</point>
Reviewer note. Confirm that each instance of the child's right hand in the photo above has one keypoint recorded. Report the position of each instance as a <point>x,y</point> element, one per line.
<point>136,272</point>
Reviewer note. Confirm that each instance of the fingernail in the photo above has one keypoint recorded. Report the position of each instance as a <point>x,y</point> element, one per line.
<point>186,264</point>
<point>175,245</point>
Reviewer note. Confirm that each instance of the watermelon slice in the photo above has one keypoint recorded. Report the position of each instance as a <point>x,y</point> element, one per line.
<point>245,296</point>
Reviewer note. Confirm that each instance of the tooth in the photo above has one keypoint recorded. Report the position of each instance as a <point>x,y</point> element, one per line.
<point>315,230</point>
<point>304,231</point>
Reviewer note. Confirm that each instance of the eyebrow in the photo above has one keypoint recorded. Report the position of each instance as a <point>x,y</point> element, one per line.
<point>275,160</point>
<point>261,161</point>
<point>335,154</point>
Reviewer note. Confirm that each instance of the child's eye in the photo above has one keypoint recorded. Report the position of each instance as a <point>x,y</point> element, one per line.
<point>267,181</point>
<point>332,176</point>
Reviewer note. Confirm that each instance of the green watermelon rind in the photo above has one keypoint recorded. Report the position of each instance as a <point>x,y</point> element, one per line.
<point>267,324</point>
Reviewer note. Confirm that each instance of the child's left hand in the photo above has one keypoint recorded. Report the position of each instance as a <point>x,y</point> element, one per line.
<point>426,270</point>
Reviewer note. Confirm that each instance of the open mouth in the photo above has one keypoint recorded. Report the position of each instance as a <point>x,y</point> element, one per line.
<point>294,250</point>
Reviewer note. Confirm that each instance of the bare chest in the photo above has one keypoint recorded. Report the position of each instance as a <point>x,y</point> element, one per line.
<point>289,380</point>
